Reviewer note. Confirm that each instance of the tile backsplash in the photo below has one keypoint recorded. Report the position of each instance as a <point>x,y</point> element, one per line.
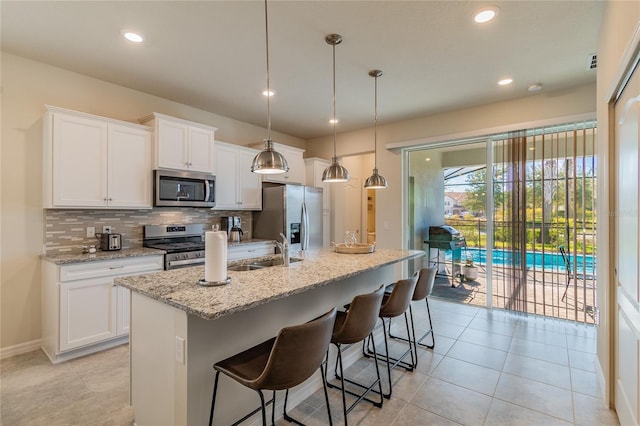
<point>65,230</point>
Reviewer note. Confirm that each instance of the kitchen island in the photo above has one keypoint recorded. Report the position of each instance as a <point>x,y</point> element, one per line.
<point>179,329</point>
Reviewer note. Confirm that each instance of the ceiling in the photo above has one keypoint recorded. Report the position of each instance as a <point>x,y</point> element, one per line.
<point>211,54</point>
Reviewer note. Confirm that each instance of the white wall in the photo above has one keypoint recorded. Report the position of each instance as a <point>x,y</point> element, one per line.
<point>621,21</point>
<point>26,87</point>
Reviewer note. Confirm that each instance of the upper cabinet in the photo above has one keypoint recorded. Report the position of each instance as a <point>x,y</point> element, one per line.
<point>236,187</point>
<point>180,144</point>
<point>296,173</point>
<point>95,162</point>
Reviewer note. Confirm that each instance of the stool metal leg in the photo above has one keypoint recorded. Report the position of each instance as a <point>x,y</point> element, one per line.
<point>213,399</point>
<point>419,341</point>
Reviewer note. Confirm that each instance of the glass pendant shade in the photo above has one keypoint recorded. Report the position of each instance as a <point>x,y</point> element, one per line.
<point>335,172</point>
<point>375,181</point>
<point>269,162</point>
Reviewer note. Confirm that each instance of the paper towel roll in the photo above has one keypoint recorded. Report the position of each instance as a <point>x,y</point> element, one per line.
<point>215,256</point>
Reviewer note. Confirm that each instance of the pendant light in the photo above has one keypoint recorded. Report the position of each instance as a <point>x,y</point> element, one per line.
<point>335,172</point>
<point>375,181</point>
<point>268,161</point>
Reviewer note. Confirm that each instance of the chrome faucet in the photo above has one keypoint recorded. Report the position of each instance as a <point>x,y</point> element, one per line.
<point>284,249</point>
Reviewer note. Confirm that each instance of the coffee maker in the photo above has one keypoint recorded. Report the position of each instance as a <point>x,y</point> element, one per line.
<point>231,224</point>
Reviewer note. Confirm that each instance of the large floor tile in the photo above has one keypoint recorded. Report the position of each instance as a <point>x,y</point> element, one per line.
<point>503,413</point>
<point>586,382</point>
<point>485,338</point>
<point>538,370</point>
<point>582,344</point>
<point>590,411</point>
<point>452,402</point>
<point>476,354</point>
<point>443,344</point>
<point>493,326</point>
<point>538,335</point>
<point>412,415</point>
<point>541,351</point>
<point>583,360</point>
<point>547,399</point>
<point>467,375</point>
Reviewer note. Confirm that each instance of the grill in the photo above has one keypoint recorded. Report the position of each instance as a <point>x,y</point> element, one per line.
<point>445,237</point>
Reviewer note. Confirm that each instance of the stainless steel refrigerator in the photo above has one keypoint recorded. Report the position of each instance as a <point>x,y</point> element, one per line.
<point>293,210</point>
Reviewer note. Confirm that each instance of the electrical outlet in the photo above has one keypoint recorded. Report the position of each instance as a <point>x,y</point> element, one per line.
<point>180,350</point>
<point>91,231</point>
<point>106,229</point>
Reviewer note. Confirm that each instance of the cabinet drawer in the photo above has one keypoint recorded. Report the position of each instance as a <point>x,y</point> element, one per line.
<point>249,250</point>
<point>105,268</point>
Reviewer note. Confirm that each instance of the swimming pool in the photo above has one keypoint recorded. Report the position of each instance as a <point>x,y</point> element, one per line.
<point>537,260</point>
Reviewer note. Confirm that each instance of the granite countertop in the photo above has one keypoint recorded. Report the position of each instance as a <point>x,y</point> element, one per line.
<point>247,242</point>
<point>180,289</point>
<point>77,257</point>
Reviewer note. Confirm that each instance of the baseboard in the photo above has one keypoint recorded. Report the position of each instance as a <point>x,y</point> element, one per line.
<point>20,348</point>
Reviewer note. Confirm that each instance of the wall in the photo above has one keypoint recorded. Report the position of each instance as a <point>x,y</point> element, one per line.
<point>26,87</point>
<point>390,210</point>
<point>620,21</point>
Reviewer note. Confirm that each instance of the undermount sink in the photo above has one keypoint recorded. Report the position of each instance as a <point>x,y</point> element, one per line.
<point>261,265</point>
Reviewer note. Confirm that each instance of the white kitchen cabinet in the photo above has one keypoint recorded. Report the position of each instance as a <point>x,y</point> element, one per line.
<point>182,144</point>
<point>314,169</point>
<point>236,187</point>
<point>249,250</point>
<point>296,173</point>
<point>95,162</point>
<point>82,310</point>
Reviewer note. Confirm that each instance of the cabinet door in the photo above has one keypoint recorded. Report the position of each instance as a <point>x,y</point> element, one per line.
<point>123,323</point>
<point>296,173</point>
<point>226,177</point>
<point>201,150</point>
<point>79,156</point>
<point>173,139</point>
<point>250,184</point>
<point>129,164</point>
<point>87,312</point>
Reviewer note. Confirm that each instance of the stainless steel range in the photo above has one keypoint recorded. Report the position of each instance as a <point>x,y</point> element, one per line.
<point>184,244</point>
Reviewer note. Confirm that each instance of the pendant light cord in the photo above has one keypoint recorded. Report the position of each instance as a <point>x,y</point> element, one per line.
<point>334,102</point>
<point>266,30</point>
<point>375,126</point>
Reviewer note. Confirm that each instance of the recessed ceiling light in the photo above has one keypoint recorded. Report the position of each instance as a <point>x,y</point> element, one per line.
<point>134,37</point>
<point>532,148</point>
<point>535,87</point>
<point>485,14</point>
<point>427,159</point>
<point>268,93</point>
<point>505,81</point>
<point>334,121</point>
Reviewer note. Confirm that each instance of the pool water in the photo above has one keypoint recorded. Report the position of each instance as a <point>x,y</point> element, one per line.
<point>538,260</point>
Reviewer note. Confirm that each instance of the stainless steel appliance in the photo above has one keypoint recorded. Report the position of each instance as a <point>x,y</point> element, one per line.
<point>231,224</point>
<point>184,244</point>
<point>110,242</point>
<point>184,189</point>
<point>293,210</point>
<point>443,238</point>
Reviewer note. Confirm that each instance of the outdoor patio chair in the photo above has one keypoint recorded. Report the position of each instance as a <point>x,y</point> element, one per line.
<point>569,268</point>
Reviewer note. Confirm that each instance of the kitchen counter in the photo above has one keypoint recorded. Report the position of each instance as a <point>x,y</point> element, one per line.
<point>179,329</point>
<point>250,241</point>
<point>180,289</point>
<point>63,259</point>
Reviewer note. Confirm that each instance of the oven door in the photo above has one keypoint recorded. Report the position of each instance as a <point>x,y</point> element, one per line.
<point>186,189</point>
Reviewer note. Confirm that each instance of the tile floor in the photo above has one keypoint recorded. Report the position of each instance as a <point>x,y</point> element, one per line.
<point>488,368</point>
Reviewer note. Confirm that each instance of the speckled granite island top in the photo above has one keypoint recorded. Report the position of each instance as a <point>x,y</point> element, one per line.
<point>76,257</point>
<point>179,287</point>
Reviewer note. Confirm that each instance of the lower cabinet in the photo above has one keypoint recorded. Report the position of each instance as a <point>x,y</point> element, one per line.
<point>83,311</point>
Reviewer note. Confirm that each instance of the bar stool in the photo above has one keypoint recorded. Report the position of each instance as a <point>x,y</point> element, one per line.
<point>352,326</point>
<point>394,305</point>
<point>426,278</point>
<point>280,363</point>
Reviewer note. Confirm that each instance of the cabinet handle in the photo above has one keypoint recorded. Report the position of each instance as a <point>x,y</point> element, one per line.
<point>110,199</point>
<point>116,267</point>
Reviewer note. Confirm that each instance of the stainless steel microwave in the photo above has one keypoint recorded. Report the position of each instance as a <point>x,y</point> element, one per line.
<point>184,189</point>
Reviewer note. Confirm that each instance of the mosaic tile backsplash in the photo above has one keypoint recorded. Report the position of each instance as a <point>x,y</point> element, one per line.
<point>65,230</point>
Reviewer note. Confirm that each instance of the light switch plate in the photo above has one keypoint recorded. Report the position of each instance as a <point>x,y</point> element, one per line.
<point>91,231</point>
<point>106,229</point>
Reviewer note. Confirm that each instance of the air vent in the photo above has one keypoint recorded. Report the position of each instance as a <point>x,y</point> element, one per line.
<point>592,62</point>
